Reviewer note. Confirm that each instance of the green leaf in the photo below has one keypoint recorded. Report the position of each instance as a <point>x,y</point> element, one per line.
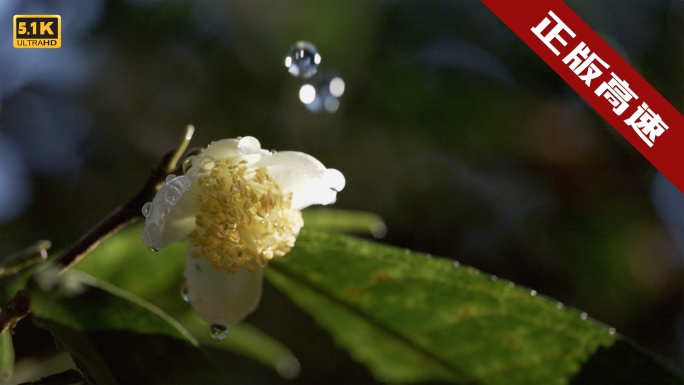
<point>114,336</point>
<point>249,341</point>
<point>414,318</point>
<point>358,222</point>
<point>6,356</point>
<point>124,261</point>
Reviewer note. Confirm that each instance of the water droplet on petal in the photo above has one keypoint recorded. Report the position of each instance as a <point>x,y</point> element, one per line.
<point>584,315</point>
<point>248,145</point>
<point>185,293</point>
<point>207,163</point>
<point>334,179</point>
<point>559,305</point>
<point>152,249</point>
<point>303,59</point>
<point>533,293</point>
<point>187,163</point>
<point>147,207</point>
<point>217,332</point>
<point>611,331</point>
<point>170,177</point>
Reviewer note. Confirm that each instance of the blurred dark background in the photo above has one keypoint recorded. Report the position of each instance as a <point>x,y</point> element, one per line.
<point>450,128</point>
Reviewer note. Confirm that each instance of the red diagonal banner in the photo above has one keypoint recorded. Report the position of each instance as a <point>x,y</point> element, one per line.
<point>602,78</point>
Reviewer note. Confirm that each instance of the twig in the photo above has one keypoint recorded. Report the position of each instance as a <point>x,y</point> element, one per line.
<point>25,258</point>
<point>19,305</point>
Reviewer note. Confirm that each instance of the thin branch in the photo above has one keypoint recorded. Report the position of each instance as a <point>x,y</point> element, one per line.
<point>131,212</point>
<point>25,258</point>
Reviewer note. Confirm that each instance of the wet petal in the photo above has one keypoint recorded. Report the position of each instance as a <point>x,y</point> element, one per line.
<point>219,297</point>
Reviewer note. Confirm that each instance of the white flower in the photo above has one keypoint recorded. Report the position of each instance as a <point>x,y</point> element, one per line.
<point>239,206</point>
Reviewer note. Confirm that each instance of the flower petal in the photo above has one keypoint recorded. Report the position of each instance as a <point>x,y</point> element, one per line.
<point>220,297</point>
<point>172,214</point>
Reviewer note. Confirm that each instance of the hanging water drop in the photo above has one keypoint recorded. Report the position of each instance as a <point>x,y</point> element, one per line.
<point>207,163</point>
<point>559,305</point>
<point>303,59</point>
<point>185,293</point>
<point>334,179</point>
<point>170,177</point>
<point>248,145</point>
<point>494,277</point>
<point>456,264</point>
<point>584,315</point>
<point>147,207</point>
<point>611,331</point>
<point>378,229</point>
<point>217,332</point>
<point>511,284</point>
<point>533,293</point>
<point>407,251</point>
<point>152,249</point>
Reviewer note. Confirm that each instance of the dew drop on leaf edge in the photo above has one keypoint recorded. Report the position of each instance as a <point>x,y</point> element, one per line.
<point>217,332</point>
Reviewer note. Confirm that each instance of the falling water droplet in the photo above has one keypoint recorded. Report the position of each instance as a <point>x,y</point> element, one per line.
<point>559,305</point>
<point>334,179</point>
<point>248,145</point>
<point>185,293</point>
<point>303,59</point>
<point>533,293</point>
<point>217,332</point>
<point>170,177</point>
<point>187,163</point>
<point>207,163</point>
<point>611,331</point>
<point>511,284</point>
<point>152,249</point>
<point>456,264</point>
<point>584,315</point>
<point>147,207</point>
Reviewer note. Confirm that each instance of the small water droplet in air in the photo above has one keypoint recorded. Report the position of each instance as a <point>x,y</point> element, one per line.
<point>170,177</point>
<point>533,293</point>
<point>323,94</point>
<point>611,331</point>
<point>248,145</point>
<point>407,251</point>
<point>217,332</point>
<point>584,315</point>
<point>494,278</point>
<point>152,249</point>
<point>378,229</point>
<point>456,264</point>
<point>147,207</point>
<point>334,179</point>
<point>185,293</point>
<point>207,163</point>
<point>187,163</point>
<point>559,305</point>
<point>303,59</point>
<point>511,284</point>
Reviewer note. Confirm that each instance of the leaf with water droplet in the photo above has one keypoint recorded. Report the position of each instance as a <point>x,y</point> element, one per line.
<point>412,319</point>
